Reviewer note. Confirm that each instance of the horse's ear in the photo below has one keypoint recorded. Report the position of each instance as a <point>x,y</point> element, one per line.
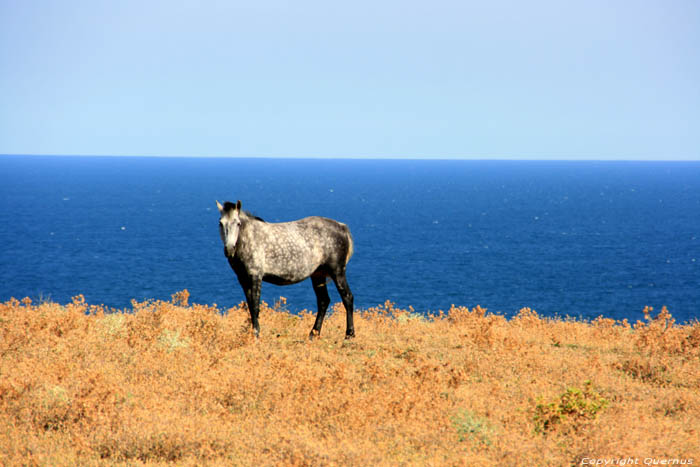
<point>238,205</point>
<point>221,208</point>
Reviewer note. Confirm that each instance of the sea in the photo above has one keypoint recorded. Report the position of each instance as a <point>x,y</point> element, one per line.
<point>576,239</point>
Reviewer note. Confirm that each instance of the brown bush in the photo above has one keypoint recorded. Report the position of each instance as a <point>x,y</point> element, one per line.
<point>188,383</point>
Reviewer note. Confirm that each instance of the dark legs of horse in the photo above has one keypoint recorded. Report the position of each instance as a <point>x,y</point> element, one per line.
<point>251,288</point>
<point>322,302</point>
<point>344,290</point>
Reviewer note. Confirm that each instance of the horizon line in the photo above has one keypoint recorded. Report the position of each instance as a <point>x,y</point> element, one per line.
<point>365,157</point>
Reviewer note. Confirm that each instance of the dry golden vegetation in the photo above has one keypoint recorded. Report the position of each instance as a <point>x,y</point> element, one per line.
<point>173,382</point>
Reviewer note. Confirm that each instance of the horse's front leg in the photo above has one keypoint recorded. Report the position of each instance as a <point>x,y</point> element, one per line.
<point>252,295</point>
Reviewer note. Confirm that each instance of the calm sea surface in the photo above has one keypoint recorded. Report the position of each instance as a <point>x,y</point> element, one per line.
<point>564,238</point>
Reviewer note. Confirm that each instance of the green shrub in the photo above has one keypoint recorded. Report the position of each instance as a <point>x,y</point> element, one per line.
<point>573,407</point>
<point>471,427</point>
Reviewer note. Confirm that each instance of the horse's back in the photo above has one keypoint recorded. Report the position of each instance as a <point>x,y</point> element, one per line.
<point>330,239</point>
<point>326,224</point>
<point>323,228</point>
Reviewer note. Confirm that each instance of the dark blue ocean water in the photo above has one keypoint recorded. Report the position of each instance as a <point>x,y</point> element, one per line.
<point>565,238</point>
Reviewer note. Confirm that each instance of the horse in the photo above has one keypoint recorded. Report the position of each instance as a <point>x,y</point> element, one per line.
<point>287,253</point>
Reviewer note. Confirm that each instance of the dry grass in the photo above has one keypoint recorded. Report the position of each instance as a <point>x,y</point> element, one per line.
<point>173,382</point>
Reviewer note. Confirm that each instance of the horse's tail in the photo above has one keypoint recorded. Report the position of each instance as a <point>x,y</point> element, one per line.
<point>351,248</point>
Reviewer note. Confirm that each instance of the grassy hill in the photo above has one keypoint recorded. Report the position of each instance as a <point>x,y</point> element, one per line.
<point>174,382</point>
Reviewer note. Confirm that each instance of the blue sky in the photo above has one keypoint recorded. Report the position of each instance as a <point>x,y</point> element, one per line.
<point>611,79</point>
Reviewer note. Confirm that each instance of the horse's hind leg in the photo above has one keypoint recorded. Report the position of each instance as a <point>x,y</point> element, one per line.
<point>341,283</point>
<point>322,301</point>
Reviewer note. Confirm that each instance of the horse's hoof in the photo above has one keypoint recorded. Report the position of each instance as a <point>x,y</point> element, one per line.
<point>349,336</point>
<point>314,334</point>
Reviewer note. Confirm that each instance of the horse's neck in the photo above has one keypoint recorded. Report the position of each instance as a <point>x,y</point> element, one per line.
<point>249,224</point>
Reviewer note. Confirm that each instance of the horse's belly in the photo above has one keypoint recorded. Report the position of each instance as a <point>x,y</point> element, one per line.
<point>277,280</point>
<point>290,274</point>
<point>290,267</point>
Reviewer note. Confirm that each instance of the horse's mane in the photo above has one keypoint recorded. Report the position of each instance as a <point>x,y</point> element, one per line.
<point>249,214</point>
<point>229,206</point>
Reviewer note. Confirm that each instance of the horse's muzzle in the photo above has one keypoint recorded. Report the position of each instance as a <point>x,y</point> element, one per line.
<point>229,252</point>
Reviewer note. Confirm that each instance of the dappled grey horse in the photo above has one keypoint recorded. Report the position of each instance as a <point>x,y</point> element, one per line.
<point>286,253</point>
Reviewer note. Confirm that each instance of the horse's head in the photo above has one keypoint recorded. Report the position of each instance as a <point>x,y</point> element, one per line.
<point>229,225</point>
